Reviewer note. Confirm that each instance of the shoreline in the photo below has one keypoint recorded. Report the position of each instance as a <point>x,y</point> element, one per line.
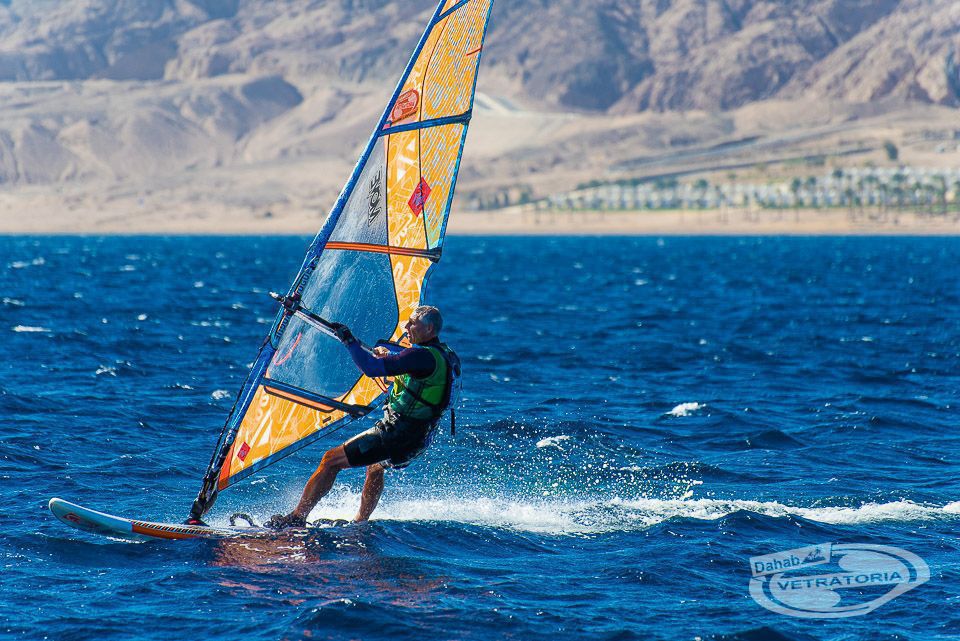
<point>725,222</point>
<point>179,221</point>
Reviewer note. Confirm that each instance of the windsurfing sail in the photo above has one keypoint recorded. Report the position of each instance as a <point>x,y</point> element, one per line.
<point>367,265</point>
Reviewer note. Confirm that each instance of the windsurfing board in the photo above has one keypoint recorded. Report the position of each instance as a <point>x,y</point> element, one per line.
<point>88,520</point>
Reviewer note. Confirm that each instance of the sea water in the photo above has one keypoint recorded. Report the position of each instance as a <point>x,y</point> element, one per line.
<point>639,418</point>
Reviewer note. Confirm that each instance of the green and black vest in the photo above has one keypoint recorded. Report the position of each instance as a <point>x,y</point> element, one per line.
<point>425,399</point>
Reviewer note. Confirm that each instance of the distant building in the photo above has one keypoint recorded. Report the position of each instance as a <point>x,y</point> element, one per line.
<point>903,186</point>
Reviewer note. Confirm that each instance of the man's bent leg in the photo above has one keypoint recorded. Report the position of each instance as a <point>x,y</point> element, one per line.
<point>372,489</point>
<point>322,480</point>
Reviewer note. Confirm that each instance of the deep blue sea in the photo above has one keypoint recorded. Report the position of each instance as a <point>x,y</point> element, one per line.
<point>640,416</point>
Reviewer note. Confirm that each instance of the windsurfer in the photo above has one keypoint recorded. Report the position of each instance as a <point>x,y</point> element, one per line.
<point>424,375</point>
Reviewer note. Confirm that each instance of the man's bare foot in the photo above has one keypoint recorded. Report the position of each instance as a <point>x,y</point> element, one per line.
<point>284,521</point>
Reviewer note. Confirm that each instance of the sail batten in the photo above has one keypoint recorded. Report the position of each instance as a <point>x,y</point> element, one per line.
<point>455,5</point>
<point>463,118</point>
<point>368,264</point>
<point>432,254</point>
<point>311,400</point>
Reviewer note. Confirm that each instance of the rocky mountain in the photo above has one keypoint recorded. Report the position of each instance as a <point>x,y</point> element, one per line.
<point>619,55</point>
<point>120,99</point>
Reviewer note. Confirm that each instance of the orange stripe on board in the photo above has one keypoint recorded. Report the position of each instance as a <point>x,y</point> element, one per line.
<point>161,534</point>
<point>382,249</point>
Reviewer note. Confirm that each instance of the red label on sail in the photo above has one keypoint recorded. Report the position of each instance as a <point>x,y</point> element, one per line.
<point>406,106</point>
<point>419,197</point>
<point>244,450</point>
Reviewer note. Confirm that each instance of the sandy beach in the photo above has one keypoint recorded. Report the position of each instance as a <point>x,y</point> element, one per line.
<point>43,213</point>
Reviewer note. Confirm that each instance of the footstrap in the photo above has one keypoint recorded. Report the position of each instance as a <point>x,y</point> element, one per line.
<point>241,516</point>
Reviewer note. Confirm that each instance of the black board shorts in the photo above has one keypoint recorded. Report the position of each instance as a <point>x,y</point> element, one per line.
<point>394,442</point>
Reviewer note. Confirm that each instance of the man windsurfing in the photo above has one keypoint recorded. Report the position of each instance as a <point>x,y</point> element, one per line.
<point>423,380</point>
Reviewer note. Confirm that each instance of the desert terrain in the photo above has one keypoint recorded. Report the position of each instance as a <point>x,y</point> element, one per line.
<point>234,116</point>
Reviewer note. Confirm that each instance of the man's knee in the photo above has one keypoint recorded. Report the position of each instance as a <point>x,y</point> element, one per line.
<point>334,459</point>
<point>375,471</point>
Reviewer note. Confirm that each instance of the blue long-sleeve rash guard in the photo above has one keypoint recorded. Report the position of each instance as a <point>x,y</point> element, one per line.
<point>416,361</point>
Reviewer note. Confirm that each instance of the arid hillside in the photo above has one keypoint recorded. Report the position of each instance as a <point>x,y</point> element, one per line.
<point>621,55</point>
<point>140,107</point>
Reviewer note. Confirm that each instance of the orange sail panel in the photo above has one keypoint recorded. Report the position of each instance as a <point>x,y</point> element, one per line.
<point>368,264</point>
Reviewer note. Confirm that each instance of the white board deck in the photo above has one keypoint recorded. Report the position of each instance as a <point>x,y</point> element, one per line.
<point>88,520</point>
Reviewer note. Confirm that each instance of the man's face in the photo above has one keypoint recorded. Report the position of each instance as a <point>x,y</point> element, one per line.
<point>418,331</point>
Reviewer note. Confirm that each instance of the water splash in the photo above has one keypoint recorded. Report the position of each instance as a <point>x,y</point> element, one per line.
<point>614,514</point>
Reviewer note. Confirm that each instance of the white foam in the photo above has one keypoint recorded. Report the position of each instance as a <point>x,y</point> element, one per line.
<point>572,517</point>
<point>685,409</point>
<point>553,441</point>
<point>20,264</point>
<point>29,329</point>
<point>710,509</point>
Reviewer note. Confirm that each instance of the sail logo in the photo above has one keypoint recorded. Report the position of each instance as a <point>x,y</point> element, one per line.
<point>419,198</point>
<point>406,106</point>
<point>834,581</point>
<point>375,198</point>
